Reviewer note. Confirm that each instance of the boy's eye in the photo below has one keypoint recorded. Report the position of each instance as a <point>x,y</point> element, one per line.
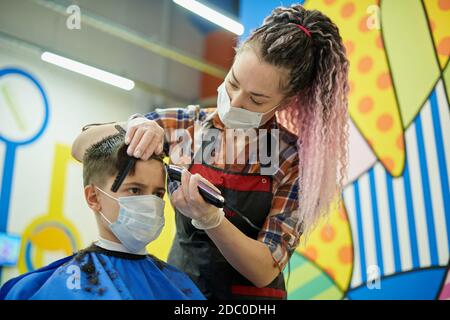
<point>160,194</point>
<point>134,191</point>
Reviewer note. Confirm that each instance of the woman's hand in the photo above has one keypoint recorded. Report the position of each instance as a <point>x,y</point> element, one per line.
<point>190,203</point>
<point>144,137</point>
<point>248,256</point>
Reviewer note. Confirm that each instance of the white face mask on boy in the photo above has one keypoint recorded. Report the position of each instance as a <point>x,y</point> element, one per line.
<point>140,220</point>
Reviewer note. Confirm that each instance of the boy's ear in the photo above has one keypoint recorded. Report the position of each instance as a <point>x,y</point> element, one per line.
<point>91,196</point>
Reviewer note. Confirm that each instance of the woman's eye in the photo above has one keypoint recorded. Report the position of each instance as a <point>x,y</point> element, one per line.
<point>134,191</point>
<point>232,85</point>
<point>255,102</point>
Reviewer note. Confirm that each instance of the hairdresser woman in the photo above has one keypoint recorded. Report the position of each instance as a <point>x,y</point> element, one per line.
<point>292,70</point>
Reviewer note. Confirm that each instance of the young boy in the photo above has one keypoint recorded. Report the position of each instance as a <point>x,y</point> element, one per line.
<point>117,265</point>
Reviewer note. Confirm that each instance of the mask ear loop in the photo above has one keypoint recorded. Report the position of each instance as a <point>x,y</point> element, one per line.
<point>104,217</point>
<point>101,213</point>
<point>106,194</point>
<point>109,196</point>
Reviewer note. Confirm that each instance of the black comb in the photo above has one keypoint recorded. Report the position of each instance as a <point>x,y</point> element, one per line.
<point>123,172</point>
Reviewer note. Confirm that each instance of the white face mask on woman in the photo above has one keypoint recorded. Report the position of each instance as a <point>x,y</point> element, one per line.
<point>237,118</point>
<point>140,220</point>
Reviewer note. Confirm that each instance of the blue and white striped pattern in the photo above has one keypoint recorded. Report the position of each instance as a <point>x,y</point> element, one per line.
<point>403,223</point>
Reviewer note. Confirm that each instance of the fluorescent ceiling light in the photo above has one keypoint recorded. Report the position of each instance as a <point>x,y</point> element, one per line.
<point>212,15</point>
<point>88,71</point>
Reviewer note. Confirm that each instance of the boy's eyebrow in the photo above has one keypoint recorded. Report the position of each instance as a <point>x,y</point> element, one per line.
<point>135,184</point>
<point>161,189</point>
<point>141,185</point>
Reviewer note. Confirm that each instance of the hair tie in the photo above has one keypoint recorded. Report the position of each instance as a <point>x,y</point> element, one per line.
<point>303,29</point>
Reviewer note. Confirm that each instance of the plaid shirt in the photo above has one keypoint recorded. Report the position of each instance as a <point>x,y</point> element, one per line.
<point>282,228</point>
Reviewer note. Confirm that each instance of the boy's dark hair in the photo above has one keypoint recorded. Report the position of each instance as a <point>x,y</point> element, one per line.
<point>105,158</point>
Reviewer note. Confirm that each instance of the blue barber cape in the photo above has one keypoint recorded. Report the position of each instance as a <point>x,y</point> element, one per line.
<point>97,273</point>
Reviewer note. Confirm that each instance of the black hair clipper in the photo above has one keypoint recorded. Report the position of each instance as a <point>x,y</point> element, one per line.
<point>208,194</point>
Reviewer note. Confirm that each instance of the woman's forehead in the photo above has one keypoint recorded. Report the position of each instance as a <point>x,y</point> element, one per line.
<point>255,75</point>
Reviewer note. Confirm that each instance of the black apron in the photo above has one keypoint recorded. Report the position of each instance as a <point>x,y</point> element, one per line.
<point>196,254</point>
